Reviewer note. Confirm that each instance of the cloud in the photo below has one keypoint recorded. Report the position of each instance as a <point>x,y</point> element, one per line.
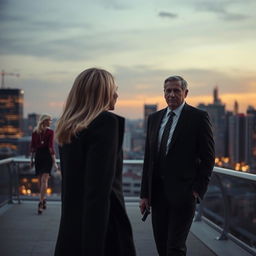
<point>64,47</point>
<point>234,16</point>
<point>118,5</point>
<point>167,15</point>
<point>148,81</point>
<point>222,9</point>
<point>138,85</point>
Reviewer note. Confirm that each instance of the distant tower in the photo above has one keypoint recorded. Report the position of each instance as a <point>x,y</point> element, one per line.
<point>236,108</point>
<point>216,99</point>
<point>148,109</point>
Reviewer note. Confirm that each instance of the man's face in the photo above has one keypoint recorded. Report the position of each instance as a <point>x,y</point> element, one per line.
<point>174,94</point>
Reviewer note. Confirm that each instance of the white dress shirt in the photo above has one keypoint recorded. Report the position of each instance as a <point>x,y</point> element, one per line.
<point>176,117</point>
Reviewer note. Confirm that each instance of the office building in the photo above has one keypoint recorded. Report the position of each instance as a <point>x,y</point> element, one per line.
<point>217,115</point>
<point>148,109</point>
<point>250,138</point>
<point>30,123</point>
<point>11,115</point>
<point>237,128</point>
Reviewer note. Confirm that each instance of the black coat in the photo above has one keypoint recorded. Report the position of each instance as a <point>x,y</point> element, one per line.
<point>190,158</point>
<point>93,219</point>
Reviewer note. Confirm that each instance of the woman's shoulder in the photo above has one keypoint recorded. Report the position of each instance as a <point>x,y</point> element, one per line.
<point>107,116</point>
<point>34,133</point>
<point>49,130</point>
<point>105,121</point>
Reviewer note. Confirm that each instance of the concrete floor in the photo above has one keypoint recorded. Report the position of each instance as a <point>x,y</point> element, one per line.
<point>24,233</point>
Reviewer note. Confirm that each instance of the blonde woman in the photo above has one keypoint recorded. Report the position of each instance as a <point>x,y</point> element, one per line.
<point>43,156</point>
<point>93,219</point>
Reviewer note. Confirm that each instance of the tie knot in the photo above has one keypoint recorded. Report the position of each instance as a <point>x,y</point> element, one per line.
<point>171,114</point>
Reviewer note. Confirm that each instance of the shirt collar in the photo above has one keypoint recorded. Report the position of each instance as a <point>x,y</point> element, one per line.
<point>177,111</point>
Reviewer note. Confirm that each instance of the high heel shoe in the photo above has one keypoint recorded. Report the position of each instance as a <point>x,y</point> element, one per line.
<point>40,208</point>
<point>44,204</point>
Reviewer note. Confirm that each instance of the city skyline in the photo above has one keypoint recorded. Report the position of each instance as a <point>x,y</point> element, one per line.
<point>195,101</point>
<point>208,43</point>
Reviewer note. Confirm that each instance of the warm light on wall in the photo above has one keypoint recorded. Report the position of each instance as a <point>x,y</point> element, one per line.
<point>49,191</point>
<point>242,167</point>
<point>225,160</point>
<point>245,168</point>
<point>237,166</point>
<point>12,117</point>
<point>8,145</point>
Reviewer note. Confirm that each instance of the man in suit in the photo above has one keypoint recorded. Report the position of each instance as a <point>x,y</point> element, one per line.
<point>179,158</point>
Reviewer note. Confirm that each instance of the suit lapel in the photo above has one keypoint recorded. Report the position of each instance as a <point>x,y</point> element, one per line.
<point>184,116</point>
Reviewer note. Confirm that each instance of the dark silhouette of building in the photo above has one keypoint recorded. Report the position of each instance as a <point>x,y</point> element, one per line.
<point>250,153</point>
<point>30,123</point>
<point>148,109</point>
<point>217,112</point>
<point>237,130</point>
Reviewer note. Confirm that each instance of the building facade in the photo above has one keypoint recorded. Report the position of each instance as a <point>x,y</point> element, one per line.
<point>11,116</point>
<point>217,112</point>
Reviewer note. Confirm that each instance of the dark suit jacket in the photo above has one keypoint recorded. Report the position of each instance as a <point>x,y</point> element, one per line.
<point>190,159</point>
<point>93,219</point>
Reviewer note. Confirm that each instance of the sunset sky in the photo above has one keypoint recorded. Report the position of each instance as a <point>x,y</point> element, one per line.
<point>209,43</point>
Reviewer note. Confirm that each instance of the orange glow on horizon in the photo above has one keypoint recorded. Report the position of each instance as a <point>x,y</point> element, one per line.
<point>135,106</point>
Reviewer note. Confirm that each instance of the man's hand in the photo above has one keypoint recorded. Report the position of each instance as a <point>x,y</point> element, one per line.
<point>32,163</point>
<point>56,167</point>
<point>195,194</point>
<point>144,203</point>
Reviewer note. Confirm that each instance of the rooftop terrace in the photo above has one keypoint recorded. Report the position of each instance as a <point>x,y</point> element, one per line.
<point>228,212</point>
<point>24,233</point>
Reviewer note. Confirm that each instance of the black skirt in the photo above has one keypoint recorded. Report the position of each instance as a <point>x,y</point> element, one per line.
<point>43,161</point>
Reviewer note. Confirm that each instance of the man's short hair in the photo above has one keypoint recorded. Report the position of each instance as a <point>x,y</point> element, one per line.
<point>184,84</point>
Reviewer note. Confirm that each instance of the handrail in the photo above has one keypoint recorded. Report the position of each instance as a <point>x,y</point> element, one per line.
<point>229,172</point>
<point>217,172</point>
<point>6,161</point>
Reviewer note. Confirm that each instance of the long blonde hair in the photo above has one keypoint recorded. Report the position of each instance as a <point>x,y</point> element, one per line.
<point>40,124</point>
<point>91,94</point>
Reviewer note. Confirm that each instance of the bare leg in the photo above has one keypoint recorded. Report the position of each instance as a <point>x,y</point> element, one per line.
<point>39,182</point>
<point>44,186</point>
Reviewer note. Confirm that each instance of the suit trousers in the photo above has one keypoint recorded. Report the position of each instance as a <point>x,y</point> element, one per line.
<point>172,217</point>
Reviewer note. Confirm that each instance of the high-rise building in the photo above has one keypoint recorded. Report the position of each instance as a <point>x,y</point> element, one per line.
<point>148,109</point>
<point>237,138</point>
<point>11,115</point>
<point>250,138</point>
<point>216,111</point>
<point>127,144</point>
<point>30,123</point>
<point>236,108</point>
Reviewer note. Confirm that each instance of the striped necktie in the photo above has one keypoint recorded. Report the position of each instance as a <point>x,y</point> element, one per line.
<point>165,136</point>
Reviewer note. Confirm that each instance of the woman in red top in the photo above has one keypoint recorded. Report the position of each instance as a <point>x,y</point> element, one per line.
<point>43,155</point>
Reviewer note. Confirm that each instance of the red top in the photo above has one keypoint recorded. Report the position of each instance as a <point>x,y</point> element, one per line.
<point>43,139</point>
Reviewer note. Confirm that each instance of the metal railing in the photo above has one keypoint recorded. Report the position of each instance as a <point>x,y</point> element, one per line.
<point>229,204</point>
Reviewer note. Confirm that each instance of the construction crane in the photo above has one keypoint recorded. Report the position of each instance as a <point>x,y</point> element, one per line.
<point>3,74</point>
